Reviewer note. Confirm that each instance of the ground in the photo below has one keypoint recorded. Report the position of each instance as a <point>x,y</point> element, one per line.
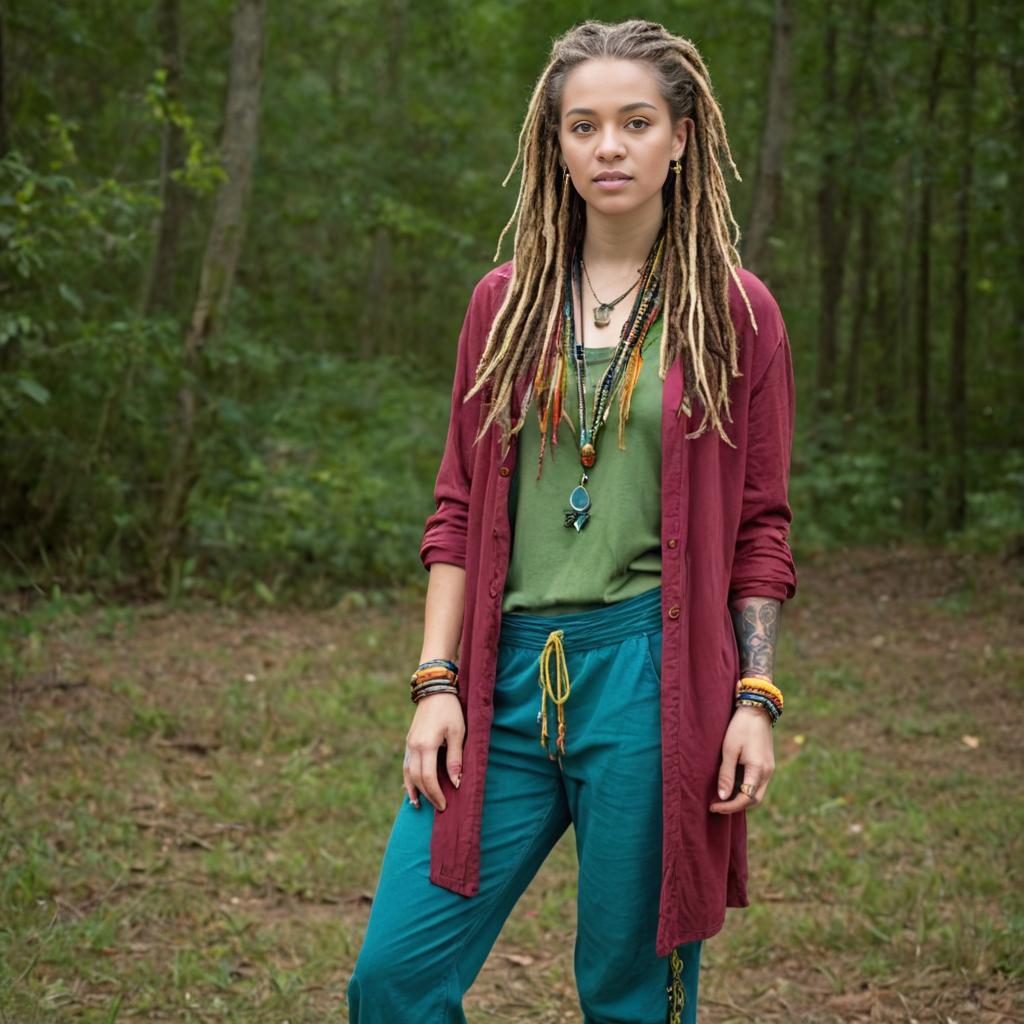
<point>194,802</point>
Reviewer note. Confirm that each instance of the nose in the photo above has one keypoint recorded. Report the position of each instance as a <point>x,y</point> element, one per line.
<point>610,144</point>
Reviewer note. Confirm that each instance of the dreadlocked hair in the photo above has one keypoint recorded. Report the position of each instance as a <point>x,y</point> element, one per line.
<point>550,216</point>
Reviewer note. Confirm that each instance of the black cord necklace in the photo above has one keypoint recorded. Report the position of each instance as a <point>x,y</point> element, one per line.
<point>634,330</point>
<point>603,310</point>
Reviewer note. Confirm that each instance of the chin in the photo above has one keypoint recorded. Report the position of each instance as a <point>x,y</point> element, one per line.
<point>613,205</point>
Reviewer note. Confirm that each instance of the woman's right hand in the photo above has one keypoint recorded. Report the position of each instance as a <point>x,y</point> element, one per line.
<point>438,722</point>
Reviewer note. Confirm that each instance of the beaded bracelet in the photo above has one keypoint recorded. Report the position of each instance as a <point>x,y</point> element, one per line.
<point>758,694</point>
<point>759,683</point>
<point>756,700</point>
<point>756,691</point>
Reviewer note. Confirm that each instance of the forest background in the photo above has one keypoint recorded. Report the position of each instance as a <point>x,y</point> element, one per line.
<point>228,322</point>
<point>237,240</point>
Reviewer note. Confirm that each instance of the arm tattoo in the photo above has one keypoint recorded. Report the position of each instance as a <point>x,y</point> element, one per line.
<point>756,621</point>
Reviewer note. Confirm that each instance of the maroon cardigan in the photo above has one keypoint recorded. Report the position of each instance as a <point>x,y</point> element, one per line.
<point>725,520</point>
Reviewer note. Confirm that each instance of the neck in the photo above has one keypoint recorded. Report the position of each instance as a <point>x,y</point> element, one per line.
<point>618,245</point>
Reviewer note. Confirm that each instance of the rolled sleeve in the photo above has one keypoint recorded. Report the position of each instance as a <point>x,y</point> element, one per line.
<point>445,531</point>
<point>763,564</point>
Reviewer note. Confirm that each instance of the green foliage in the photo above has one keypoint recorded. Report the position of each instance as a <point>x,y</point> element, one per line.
<point>321,481</point>
<point>80,374</point>
<point>202,172</point>
<point>385,132</point>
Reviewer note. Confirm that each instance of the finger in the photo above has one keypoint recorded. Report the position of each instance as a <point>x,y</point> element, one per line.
<point>747,795</point>
<point>753,779</point>
<point>410,782</point>
<point>453,760</point>
<point>762,789</point>
<point>429,785</point>
<point>740,802</point>
<point>727,772</point>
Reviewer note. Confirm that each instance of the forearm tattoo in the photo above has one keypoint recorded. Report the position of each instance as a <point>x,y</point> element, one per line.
<point>756,621</point>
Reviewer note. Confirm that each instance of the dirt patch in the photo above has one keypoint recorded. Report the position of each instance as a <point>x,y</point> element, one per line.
<point>179,771</point>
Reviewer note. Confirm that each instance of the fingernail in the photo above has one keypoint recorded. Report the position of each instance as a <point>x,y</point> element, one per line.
<point>458,780</point>
<point>722,794</point>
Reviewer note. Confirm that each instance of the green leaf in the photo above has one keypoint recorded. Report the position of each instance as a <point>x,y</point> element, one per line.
<point>70,296</point>
<point>33,389</point>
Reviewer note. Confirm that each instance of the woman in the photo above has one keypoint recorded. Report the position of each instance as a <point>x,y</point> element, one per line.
<point>618,605</point>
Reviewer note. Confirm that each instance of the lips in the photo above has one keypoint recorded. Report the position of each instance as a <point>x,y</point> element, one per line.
<point>612,181</point>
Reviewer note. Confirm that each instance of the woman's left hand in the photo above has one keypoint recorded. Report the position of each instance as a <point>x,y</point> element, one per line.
<point>748,741</point>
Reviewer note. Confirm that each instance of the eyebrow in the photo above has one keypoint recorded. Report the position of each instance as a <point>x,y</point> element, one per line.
<point>622,110</point>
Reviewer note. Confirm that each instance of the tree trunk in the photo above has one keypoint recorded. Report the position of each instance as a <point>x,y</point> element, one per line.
<point>5,124</point>
<point>238,150</point>
<point>886,329</point>
<point>904,298</point>
<point>1015,69</point>
<point>835,193</point>
<point>865,260</point>
<point>380,260</point>
<point>923,301</point>
<point>767,204</point>
<point>957,490</point>
<point>159,295</point>
<point>828,231</point>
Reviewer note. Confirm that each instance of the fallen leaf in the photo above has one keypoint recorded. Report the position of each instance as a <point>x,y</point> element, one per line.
<point>970,741</point>
<point>518,958</point>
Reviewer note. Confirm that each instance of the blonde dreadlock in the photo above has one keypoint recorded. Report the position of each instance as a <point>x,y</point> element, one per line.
<point>701,231</point>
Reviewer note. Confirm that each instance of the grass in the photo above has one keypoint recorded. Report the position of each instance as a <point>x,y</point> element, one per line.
<point>194,803</point>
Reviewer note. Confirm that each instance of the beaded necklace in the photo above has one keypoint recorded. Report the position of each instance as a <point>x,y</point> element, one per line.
<point>621,374</point>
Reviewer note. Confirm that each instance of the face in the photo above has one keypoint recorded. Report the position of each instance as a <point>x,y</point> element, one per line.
<point>617,136</point>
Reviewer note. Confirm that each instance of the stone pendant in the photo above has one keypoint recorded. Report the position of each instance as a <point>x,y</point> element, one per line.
<point>602,315</point>
<point>578,511</point>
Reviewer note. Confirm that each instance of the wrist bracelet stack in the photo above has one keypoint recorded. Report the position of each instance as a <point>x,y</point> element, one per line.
<point>435,676</point>
<point>755,692</point>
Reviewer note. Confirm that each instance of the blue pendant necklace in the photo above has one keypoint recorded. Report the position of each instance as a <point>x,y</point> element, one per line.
<point>634,330</point>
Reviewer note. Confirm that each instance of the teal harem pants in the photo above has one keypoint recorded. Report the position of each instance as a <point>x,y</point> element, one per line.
<point>424,945</point>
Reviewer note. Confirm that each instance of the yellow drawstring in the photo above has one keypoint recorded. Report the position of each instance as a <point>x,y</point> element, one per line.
<point>560,694</point>
<point>676,992</point>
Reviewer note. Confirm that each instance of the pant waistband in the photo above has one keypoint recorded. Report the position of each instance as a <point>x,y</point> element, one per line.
<point>583,631</point>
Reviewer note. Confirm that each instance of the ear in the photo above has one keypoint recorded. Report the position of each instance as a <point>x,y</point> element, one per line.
<point>683,129</point>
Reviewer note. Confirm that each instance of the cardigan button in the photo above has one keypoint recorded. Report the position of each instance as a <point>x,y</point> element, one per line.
<point>672,542</point>
<point>504,471</point>
<point>673,612</point>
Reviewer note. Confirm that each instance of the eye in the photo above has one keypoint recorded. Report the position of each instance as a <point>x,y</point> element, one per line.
<point>638,122</point>
<point>582,124</point>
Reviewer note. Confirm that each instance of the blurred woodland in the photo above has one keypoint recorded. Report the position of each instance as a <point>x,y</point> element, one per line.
<point>237,240</point>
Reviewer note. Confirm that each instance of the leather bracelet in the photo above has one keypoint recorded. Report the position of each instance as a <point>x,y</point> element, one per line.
<point>429,675</point>
<point>439,662</point>
<point>429,690</point>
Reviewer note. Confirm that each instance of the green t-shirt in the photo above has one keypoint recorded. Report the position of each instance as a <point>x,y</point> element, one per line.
<point>617,554</point>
